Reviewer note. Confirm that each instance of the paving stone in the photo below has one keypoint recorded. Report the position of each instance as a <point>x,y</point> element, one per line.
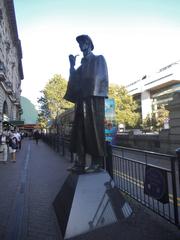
<point>44,174</point>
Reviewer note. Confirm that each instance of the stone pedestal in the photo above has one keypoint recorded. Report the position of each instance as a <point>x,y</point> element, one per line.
<point>89,203</point>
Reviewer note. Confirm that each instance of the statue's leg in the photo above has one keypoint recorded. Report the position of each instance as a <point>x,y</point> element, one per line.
<point>79,164</point>
<point>82,160</point>
<point>77,139</point>
<point>97,161</point>
<point>97,164</point>
<point>94,130</point>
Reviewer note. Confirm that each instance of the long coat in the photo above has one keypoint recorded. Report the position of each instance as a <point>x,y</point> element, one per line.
<point>90,79</point>
<point>87,88</point>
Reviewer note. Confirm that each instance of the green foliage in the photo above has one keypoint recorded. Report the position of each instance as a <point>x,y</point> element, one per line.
<point>155,122</point>
<point>42,121</point>
<point>147,123</point>
<point>125,106</point>
<point>52,102</point>
<point>162,115</point>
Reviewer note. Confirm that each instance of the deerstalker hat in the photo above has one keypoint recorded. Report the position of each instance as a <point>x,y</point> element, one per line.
<point>81,38</point>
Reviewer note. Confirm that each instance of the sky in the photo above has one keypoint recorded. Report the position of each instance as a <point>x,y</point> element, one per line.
<point>136,37</point>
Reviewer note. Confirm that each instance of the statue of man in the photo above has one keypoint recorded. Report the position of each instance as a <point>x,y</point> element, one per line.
<point>88,88</point>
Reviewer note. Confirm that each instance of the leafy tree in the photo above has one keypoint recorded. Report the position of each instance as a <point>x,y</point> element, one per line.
<point>125,106</point>
<point>147,123</point>
<point>161,116</point>
<point>52,102</point>
<point>42,121</point>
<point>156,120</point>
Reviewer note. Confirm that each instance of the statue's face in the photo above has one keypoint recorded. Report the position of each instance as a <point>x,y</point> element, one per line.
<point>84,45</point>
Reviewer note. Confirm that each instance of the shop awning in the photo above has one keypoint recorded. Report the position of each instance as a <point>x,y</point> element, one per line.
<point>17,122</point>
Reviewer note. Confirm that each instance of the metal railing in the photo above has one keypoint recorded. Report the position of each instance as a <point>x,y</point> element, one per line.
<point>128,168</point>
<point>130,174</point>
<point>59,144</point>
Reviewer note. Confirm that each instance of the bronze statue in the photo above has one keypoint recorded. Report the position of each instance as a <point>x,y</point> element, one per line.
<point>88,88</point>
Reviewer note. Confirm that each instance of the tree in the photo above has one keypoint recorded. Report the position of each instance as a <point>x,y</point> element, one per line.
<point>148,122</point>
<point>52,102</point>
<point>156,120</point>
<point>42,121</point>
<point>125,106</point>
<point>161,116</point>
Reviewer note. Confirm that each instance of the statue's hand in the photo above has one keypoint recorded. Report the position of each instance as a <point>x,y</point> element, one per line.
<point>72,60</point>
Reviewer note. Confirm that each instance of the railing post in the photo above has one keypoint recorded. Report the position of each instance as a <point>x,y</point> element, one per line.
<point>63,146</point>
<point>109,164</point>
<point>173,171</point>
<point>178,162</point>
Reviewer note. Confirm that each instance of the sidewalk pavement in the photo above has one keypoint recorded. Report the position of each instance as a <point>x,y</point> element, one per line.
<point>29,186</point>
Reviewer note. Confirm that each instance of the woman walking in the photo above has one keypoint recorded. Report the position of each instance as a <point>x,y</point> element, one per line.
<point>3,146</point>
<point>12,146</point>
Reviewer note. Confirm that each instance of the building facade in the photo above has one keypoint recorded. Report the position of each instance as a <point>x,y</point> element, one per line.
<point>156,89</point>
<point>11,70</point>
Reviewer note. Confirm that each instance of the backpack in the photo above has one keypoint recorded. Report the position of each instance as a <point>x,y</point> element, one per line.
<point>13,143</point>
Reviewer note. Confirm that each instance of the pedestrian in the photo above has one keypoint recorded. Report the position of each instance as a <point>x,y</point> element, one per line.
<point>18,137</point>
<point>3,146</point>
<point>12,146</point>
<point>110,133</point>
<point>36,136</point>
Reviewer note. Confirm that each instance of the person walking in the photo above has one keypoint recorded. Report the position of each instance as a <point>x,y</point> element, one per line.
<point>36,136</point>
<point>18,137</point>
<point>3,146</point>
<point>12,146</point>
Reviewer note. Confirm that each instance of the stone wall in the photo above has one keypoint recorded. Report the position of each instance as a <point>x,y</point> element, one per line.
<point>144,142</point>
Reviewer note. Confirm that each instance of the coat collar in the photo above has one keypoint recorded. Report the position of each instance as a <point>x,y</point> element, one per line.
<point>87,58</point>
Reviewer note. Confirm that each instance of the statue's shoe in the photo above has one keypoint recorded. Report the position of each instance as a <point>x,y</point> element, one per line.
<point>93,168</point>
<point>77,169</point>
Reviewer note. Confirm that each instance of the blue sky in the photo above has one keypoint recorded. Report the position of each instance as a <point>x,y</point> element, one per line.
<point>137,37</point>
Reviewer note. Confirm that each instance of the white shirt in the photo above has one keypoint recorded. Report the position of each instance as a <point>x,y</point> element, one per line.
<point>18,136</point>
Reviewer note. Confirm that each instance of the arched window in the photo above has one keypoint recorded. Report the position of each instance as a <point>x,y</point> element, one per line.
<point>5,111</point>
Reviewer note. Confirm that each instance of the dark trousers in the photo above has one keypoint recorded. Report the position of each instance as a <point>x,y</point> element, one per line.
<point>88,129</point>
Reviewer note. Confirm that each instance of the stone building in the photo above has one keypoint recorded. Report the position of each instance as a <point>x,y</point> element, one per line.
<point>11,70</point>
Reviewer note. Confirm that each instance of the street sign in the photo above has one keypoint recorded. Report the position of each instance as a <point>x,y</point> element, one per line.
<point>155,184</point>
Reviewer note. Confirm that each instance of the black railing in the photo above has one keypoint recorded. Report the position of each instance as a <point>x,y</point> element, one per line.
<point>130,174</point>
<point>59,144</point>
<point>128,167</point>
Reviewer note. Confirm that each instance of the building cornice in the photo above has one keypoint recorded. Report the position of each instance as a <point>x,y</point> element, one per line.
<point>9,4</point>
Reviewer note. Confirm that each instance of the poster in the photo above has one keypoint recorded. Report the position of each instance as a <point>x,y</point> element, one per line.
<point>109,109</point>
<point>110,128</point>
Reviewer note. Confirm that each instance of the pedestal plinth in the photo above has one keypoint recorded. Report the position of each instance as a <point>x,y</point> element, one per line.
<point>89,202</point>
